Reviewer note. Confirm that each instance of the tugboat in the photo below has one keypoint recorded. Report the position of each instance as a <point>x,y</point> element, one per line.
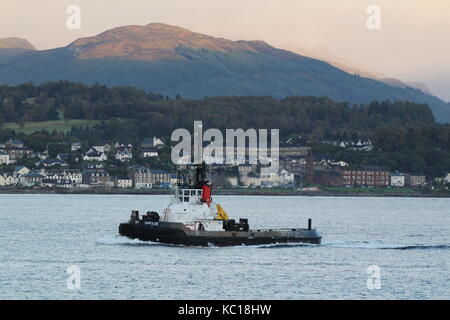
<point>191,219</point>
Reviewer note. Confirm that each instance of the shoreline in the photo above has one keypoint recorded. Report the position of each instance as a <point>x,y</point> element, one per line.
<point>233,192</point>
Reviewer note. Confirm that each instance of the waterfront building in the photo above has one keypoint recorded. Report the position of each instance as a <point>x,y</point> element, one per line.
<point>4,158</point>
<point>417,180</point>
<point>97,178</point>
<point>7,179</point>
<point>141,176</point>
<point>72,175</point>
<point>398,180</point>
<point>31,179</point>
<point>123,182</point>
<point>372,176</point>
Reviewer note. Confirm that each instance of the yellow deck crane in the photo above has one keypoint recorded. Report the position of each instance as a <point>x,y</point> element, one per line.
<point>221,214</point>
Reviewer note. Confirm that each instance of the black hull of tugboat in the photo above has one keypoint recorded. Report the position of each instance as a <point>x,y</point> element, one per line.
<point>174,233</point>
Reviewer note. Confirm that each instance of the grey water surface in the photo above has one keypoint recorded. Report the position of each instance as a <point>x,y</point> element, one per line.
<point>408,239</point>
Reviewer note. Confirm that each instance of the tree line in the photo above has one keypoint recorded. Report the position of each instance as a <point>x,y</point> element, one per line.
<point>315,117</point>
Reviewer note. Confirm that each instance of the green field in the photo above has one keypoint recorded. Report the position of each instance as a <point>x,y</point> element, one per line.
<point>58,125</point>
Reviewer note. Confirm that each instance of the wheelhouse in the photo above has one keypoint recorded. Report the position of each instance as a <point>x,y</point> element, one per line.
<point>187,195</point>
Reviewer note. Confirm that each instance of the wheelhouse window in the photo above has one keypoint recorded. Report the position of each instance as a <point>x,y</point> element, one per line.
<point>186,199</point>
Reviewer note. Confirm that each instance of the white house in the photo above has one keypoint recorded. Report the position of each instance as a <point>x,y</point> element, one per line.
<point>72,175</point>
<point>398,180</point>
<point>124,155</point>
<point>75,146</point>
<point>93,155</point>
<point>7,179</point>
<point>149,154</point>
<point>20,170</point>
<point>123,183</point>
<point>4,158</point>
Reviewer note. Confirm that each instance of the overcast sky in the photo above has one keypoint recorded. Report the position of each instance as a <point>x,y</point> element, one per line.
<point>413,43</point>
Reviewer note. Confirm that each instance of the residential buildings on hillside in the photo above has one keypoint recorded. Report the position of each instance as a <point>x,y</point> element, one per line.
<point>113,165</point>
<point>8,179</point>
<point>4,158</point>
<point>151,143</point>
<point>94,155</point>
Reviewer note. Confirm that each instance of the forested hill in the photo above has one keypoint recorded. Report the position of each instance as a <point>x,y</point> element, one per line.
<point>174,61</point>
<point>145,114</point>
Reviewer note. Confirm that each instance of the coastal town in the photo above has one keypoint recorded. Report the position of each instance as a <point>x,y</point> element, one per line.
<point>122,165</point>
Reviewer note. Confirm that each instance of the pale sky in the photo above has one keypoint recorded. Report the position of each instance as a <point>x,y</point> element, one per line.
<point>413,43</point>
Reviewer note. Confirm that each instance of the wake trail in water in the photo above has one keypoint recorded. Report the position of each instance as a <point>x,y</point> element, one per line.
<point>384,246</point>
<point>124,241</point>
<point>285,245</point>
<point>357,245</point>
<point>120,240</point>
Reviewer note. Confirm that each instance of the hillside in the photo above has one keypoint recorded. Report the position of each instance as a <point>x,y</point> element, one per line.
<point>174,61</point>
<point>16,43</point>
<point>14,46</point>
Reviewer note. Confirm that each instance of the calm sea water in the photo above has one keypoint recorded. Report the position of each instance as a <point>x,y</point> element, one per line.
<point>407,238</point>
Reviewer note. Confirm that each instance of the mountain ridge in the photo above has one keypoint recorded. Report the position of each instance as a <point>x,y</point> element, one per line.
<point>15,43</point>
<point>152,42</point>
<point>14,46</point>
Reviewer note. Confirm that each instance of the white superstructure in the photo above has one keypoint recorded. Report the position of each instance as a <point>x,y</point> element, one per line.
<point>188,207</point>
